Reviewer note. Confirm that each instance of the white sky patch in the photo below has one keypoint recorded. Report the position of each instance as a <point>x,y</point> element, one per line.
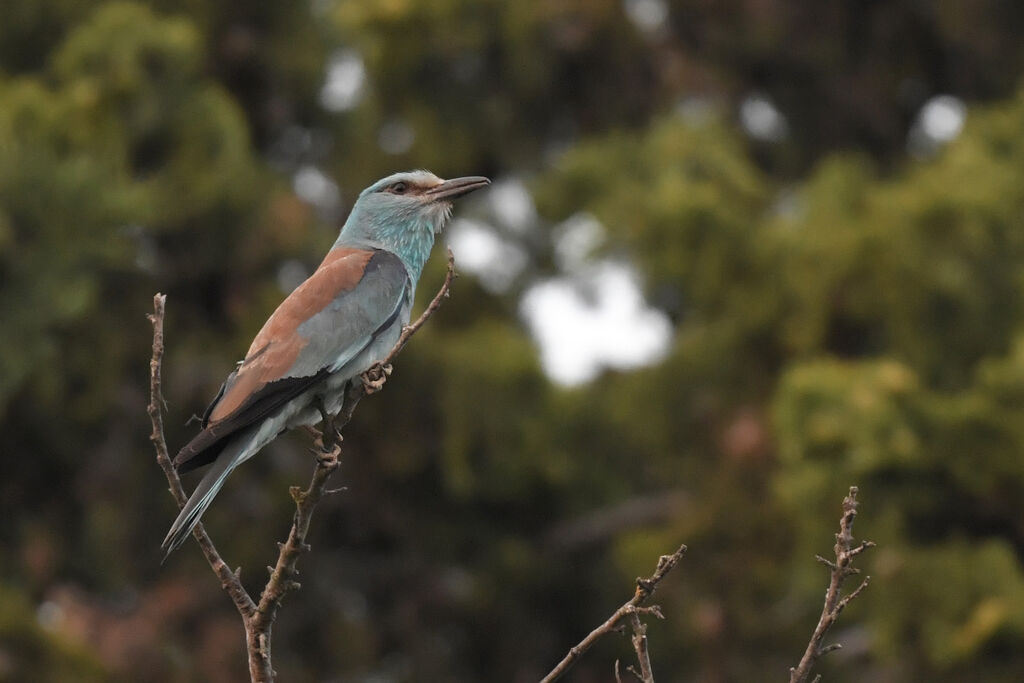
<point>512,204</point>
<point>761,119</point>
<point>599,320</point>
<point>479,250</point>
<point>314,187</point>
<point>575,240</point>
<point>940,121</point>
<point>345,82</point>
<point>942,117</point>
<point>646,15</point>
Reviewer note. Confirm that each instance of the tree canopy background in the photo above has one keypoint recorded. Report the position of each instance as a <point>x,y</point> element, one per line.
<point>839,263</point>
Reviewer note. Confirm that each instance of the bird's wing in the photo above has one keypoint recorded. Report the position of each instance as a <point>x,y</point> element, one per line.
<point>323,324</point>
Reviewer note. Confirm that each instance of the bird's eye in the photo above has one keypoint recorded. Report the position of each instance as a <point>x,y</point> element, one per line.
<point>399,187</point>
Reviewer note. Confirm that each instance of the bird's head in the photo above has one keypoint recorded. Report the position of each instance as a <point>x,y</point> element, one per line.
<point>404,211</point>
<point>412,200</point>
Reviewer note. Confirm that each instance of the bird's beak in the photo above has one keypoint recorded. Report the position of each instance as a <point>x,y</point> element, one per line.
<point>456,187</point>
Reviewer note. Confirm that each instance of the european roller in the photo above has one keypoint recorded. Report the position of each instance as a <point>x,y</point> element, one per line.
<point>336,325</point>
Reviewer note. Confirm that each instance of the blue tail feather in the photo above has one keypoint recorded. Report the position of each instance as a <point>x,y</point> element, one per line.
<point>209,486</point>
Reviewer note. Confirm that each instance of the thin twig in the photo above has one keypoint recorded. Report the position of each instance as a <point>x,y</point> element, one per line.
<point>639,640</point>
<point>283,573</point>
<point>845,552</point>
<point>644,589</point>
<point>258,619</point>
<point>434,304</point>
<point>229,580</point>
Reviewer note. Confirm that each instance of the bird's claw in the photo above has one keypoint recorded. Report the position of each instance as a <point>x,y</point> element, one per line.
<point>326,441</point>
<point>328,436</point>
<point>375,377</point>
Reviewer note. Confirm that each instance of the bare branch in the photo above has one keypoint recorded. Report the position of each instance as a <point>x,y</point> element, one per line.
<point>841,569</point>
<point>644,589</point>
<point>258,619</point>
<point>434,304</point>
<point>639,640</point>
<point>283,574</point>
<point>229,580</point>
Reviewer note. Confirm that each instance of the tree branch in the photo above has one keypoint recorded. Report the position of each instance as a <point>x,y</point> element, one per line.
<point>229,580</point>
<point>258,619</point>
<point>845,552</point>
<point>630,610</point>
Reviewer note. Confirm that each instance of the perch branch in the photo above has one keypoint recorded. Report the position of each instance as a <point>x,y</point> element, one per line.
<point>229,580</point>
<point>835,602</point>
<point>258,619</point>
<point>282,574</point>
<point>630,611</point>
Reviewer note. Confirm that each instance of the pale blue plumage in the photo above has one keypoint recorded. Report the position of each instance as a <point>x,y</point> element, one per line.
<point>400,224</point>
<point>332,328</point>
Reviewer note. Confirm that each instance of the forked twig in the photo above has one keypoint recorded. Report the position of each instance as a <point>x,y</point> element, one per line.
<point>835,602</point>
<point>631,611</point>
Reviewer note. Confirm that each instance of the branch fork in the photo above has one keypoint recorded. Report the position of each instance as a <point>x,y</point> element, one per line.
<point>629,613</point>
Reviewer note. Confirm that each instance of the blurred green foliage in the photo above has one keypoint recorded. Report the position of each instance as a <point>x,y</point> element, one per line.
<point>846,309</point>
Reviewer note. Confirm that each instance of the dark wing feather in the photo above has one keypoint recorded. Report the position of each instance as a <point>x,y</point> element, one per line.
<point>207,444</point>
<point>216,399</point>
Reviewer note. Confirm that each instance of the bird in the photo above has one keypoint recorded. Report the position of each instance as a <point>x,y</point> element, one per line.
<point>336,325</point>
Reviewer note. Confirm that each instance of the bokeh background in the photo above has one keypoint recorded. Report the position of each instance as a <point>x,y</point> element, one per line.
<point>738,256</point>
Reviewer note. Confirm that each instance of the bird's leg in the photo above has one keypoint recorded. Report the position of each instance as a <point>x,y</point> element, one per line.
<point>330,435</point>
<point>375,377</point>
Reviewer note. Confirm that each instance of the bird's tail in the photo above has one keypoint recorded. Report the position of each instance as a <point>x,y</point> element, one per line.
<point>236,452</point>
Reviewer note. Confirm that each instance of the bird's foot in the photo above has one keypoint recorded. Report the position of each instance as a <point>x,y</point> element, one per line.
<point>375,377</point>
<point>327,438</point>
<point>330,436</point>
<point>325,442</point>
